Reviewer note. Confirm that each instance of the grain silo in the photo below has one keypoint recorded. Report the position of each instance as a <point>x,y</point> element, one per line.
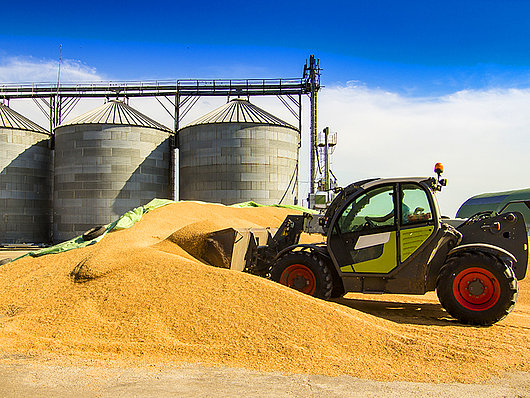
<point>25,180</point>
<point>238,153</point>
<point>107,161</point>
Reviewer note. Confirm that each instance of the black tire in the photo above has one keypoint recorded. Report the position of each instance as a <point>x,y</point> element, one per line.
<point>476,288</point>
<point>93,233</point>
<point>304,272</point>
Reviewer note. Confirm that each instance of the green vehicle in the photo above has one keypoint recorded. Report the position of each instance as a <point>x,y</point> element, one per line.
<point>386,235</point>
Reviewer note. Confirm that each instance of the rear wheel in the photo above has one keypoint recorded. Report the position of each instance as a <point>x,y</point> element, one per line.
<point>477,289</point>
<point>304,272</point>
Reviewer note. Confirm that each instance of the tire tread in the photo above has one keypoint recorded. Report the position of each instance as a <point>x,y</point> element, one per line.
<point>445,295</point>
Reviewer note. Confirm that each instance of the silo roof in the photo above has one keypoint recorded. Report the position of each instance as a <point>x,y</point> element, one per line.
<point>13,120</point>
<point>240,111</point>
<point>116,112</point>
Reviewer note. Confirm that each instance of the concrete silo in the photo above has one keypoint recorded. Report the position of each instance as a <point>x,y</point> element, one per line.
<point>107,161</point>
<point>25,180</point>
<point>237,153</point>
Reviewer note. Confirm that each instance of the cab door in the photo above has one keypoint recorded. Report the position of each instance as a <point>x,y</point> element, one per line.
<point>416,221</point>
<point>364,237</point>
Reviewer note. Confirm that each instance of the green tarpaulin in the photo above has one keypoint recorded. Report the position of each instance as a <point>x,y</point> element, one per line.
<point>125,221</point>
<point>128,220</point>
<point>254,204</point>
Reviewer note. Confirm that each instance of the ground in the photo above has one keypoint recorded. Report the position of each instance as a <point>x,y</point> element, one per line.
<point>420,342</point>
<point>25,377</point>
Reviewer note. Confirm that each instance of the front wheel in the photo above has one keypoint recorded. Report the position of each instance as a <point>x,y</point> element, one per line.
<point>477,289</point>
<point>304,272</point>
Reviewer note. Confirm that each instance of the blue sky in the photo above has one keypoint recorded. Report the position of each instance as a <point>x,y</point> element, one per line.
<point>413,47</point>
<point>451,79</point>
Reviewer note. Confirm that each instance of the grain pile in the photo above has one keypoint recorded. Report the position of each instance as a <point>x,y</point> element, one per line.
<point>137,295</point>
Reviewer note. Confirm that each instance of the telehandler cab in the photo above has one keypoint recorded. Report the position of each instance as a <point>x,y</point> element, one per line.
<point>387,236</point>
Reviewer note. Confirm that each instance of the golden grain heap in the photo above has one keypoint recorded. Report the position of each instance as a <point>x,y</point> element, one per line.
<point>139,296</point>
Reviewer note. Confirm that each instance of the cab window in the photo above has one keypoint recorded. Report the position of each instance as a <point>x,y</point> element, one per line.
<point>372,210</point>
<point>415,205</point>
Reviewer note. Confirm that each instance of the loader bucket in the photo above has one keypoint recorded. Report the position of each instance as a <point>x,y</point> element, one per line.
<point>232,247</point>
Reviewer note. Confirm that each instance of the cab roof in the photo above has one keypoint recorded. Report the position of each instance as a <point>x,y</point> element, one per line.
<point>378,181</point>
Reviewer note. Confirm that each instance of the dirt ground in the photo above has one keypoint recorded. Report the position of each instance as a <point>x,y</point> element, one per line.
<point>149,319</point>
<point>27,377</point>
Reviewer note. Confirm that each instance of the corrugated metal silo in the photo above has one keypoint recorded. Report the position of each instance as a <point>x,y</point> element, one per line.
<point>25,180</point>
<point>107,162</point>
<point>236,153</point>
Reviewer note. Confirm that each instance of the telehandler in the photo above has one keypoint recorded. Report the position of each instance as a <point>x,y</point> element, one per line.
<point>386,235</point>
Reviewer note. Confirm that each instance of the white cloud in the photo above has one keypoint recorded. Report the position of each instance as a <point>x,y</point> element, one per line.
<point>482,137</point>
<point>27,69</point>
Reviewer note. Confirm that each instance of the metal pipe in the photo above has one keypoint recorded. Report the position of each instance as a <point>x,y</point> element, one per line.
<point>326,159</point>
<point>313,128</point>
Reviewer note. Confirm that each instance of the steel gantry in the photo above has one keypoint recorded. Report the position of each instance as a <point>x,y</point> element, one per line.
<point>177,97</point>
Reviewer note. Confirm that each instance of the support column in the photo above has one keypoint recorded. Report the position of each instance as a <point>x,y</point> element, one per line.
<point>314,86</point>
<point>173,145</point>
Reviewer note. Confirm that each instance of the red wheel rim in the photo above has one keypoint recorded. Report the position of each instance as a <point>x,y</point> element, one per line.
<point>476,289</point>
<point>299,277</point>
